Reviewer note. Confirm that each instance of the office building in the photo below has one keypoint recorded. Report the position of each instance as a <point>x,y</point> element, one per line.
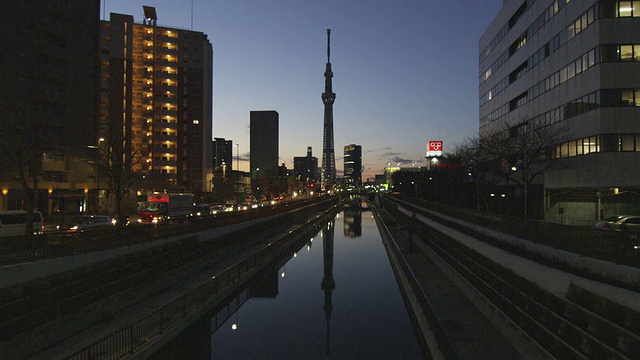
<point>48,101</point>
<point>305,168</point>
<point>157,87</point>
<point>544,63</point>
<point>263,138</point>
<point>353,166</point>
<point>222,153</point>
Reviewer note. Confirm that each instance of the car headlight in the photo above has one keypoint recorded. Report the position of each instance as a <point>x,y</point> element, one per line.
<point>74,227</point>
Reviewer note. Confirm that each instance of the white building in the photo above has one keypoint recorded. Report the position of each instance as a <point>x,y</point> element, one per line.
<point>549,61</point>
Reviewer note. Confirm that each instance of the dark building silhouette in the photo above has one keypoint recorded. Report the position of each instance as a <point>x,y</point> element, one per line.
<point>264,135</point>
<point>353,165</point>
<point>222,153</point>
<point>305,167</point>
<point>50,85</point>
<point>157,86</point>
<point>328,97</point>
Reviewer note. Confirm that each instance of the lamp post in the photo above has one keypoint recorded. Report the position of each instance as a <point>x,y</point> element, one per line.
<point>237,174</point>
<point>100,140</point>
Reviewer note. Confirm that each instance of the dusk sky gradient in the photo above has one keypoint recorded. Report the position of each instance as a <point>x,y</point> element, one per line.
<point>405,72</point>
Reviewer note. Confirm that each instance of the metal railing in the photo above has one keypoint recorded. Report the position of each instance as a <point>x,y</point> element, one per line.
<point>18,249</point>
<point>615,246</point>
<point>138,333</point>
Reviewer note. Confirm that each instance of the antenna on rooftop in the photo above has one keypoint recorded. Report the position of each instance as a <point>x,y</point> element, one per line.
<point>328,45</point>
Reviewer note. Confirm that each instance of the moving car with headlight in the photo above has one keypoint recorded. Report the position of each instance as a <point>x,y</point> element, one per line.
<point>89,222</point>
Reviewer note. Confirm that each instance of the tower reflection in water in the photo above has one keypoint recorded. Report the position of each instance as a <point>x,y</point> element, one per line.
<point>369,319</point>
<point>328,284</point>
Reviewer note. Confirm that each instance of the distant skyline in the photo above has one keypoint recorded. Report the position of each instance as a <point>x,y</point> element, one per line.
<point>405,72</point>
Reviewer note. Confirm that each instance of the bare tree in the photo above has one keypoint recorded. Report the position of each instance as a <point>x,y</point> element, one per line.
<point>117,161</point>
<point>474,158</point>
<point>22,145</point>
<point>526,149</point>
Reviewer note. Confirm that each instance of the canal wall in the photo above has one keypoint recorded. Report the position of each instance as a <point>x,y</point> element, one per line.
<point>45,302</point>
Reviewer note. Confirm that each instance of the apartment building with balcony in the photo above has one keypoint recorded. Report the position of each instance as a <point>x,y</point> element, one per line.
<point>156,88</point>
<point>546,62</point>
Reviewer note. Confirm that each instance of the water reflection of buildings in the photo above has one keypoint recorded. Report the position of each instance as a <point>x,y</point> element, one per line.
<point>196,341</point>
<point>352,222</point>
<point>328,284</point>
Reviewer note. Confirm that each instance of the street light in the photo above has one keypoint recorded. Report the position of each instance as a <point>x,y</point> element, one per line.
<point>237,174</point>
<point>98,158</point>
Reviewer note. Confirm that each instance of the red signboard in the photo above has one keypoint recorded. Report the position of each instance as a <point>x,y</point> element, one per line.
<point>435,145</point>
<point>434,148</point>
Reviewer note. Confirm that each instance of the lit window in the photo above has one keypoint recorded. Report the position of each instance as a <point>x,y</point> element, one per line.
<point>624,9</point>
<point>196,122</point>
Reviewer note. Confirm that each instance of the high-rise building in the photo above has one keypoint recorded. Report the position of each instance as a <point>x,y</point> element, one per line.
<point>544,63</point>
<point>264,139</point>
<point>49,97</point>
<point>157,87</point>
<point>222,153</point>
<point>328,98</point>
<point>305,167</point>
<point>353,165</point>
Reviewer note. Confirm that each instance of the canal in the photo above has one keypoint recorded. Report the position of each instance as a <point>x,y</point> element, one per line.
<point>334,296</point>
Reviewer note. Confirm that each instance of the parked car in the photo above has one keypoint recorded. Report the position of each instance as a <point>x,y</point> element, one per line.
<point>87,222</point>
<point>619,222</point>
<point>14,222</point>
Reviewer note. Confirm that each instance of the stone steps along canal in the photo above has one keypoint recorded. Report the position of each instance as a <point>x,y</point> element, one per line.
<point>335,297</point>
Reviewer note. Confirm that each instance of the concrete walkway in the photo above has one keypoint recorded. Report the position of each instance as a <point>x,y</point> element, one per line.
<point>548,278</point>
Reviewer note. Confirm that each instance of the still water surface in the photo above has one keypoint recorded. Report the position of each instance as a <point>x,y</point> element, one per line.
<point>336,298</point>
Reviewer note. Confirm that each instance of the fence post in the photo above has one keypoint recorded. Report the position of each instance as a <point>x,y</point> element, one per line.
<point>131,338</point>
<point>162,320</point>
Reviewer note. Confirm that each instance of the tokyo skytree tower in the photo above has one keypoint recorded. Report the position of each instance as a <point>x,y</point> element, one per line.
<point>328,97</point>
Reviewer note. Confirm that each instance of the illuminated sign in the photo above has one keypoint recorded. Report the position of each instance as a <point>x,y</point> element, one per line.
<point>434,148</point>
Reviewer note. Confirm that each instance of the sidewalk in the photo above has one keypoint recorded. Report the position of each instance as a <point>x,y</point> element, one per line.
<point>548,278</point>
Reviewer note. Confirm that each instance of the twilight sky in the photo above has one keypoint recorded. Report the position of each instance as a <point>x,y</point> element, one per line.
<point>405,71</point>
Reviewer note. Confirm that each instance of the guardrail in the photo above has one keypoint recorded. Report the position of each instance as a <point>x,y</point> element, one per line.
<point>138,333</point>
<point>615,246</point>
<point>18,249</point>
<point>587,326</point>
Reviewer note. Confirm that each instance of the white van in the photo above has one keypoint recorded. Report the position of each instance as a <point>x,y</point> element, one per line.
<point>13,222</point>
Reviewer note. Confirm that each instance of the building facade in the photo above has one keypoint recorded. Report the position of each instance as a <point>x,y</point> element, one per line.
<point>353,166</point>
<point>222,153</point>
<point>305,168</point>
<point>48,103</point>
<point>264,142</point>
<point>156,86</point>
<point>549,62</point>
